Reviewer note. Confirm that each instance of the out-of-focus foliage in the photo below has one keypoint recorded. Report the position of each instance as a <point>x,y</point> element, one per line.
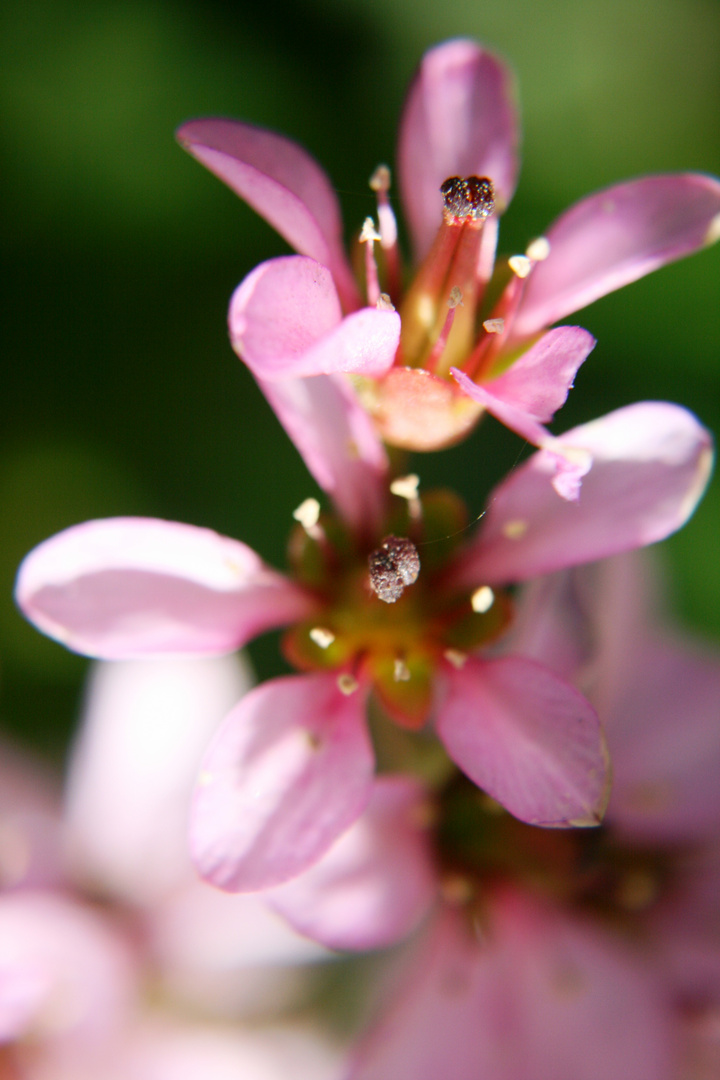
<point>120,392</point>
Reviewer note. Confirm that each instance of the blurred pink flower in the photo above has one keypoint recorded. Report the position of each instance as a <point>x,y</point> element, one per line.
<point>119,963</point>
<point>579,956</point>
<point>291,767</point>
<point>454,353</point>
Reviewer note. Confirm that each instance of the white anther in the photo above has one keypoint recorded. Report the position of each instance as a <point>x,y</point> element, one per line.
<point>384,303</point>
<point>482,599</point>
<point>380,179</point>
<point>538,249</point>
<point>520,265</point>
<point>347,684</point>
<point>322,637</point>
<point>368,231</point>
<point>456,658</point>
<point>494,326</point>
<point>456,298</point>
<point>308,513</point>
<point>406,486</point>
<point>401,672</point>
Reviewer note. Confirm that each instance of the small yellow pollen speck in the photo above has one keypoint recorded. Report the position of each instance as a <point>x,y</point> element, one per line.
<point>380,179</point>
<point>455,657</point>
<point>456,889</point>
<point>347,684</point>
<point>308,513</point>
<point>368,231</point>
<point>494,326</point>
<point>637,890</point>
<point>713,233</point>
<point>322,637</point>
<point>401,672</point>
<point>456,298</point>
<point>406,486</point>
<point>482,599</point>
<point>205,778</point>
<point>384,303</point>
<point>314,739</point>
<point>515,529</point>
<point>520,265</point>
<point>539,249</point>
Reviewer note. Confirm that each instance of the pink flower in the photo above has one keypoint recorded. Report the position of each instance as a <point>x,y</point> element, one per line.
<point>455,353</point>
<point>153,975</point>
<point>579,956</point>
<point>291,767</point>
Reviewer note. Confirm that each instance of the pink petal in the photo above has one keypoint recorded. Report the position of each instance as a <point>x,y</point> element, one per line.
<point>285,320</point>
<point>531,390</point>
<point>615,237</point>
<point>337,441</point>
<point>289,770</point>
<point>70,975</point>
<point>375,883</point>
<point>538,381</point>
<point>459,120</point>
<point>229,954</point>
<point>131,587</point>
<point>528,738</point>
<point>664,737</point>
<point>651,462</point>
<point>534,998</point>
<point>282,182</point>
<point>146,725</point>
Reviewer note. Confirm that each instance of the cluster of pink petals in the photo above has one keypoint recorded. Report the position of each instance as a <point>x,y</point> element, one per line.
<point>291,767</point>
<point>301,316</point>
<point>544,992</point>
<point>74,974</point>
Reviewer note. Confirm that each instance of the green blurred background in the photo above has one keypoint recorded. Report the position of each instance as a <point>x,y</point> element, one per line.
<point>120,392</point>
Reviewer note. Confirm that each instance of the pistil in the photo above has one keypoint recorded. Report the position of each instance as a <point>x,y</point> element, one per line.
<point>451,264</point>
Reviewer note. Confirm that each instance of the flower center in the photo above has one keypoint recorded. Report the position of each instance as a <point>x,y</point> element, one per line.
<point>481,845</point>
<point>382,617</point>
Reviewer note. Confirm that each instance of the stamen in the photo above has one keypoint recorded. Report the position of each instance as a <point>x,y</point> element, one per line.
<point>538,249</point>
<point>469,199</point>
<point>401,672</point>
<point>454,300</point>
<point>520,265</point>
<point>393,565</point>
<point>322,637</point>
<point>308,514</point>
<point>456,889</point>
<point>456,658</point>
<point>347,684</point>
<point>384,303</point>
<point>482,599</point>
<point>406,486</point>
<point>387,225</point>
<point>368,236</point>
<point>494,326</point>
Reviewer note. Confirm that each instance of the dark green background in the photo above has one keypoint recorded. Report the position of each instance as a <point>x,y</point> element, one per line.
<point>120,392</point>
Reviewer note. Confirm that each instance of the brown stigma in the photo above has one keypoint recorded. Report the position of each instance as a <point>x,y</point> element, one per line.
<point>393,565</point>
<point>468,199</point>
